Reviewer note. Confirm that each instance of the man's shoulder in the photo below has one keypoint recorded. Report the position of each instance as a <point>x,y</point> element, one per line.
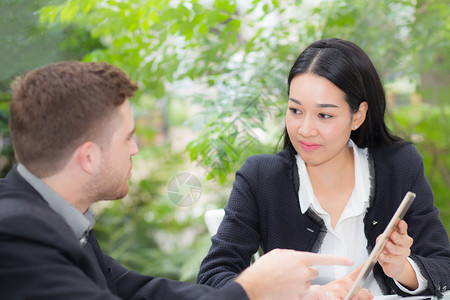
<point>17,194</point>
<point>24,215</point>
<point>20,205</point>
<point>17,198</point>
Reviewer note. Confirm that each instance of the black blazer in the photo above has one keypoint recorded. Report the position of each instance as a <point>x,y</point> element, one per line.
<point>264,211</point>
<point>40,258</point>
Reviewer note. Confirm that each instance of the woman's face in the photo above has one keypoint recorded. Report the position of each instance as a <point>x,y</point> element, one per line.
<point>318,119</point>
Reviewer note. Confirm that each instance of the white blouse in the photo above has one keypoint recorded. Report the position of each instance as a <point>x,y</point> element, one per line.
<point>347,238</point>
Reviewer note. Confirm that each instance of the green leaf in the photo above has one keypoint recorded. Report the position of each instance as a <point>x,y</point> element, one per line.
<point>69,11</point>
<point>47,14</point>
<point>203,29</point>
<point>225,5</point>
<point>87,5</point>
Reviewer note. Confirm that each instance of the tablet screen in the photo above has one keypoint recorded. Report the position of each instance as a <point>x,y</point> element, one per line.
<point>373,257</point>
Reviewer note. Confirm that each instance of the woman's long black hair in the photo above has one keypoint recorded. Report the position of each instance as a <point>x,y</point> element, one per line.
<point>347,66</point>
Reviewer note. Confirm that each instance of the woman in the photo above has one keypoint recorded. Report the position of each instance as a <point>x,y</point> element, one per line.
<point>335,185</point>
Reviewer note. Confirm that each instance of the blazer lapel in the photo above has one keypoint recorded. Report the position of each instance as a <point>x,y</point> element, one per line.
<point>106,272</point>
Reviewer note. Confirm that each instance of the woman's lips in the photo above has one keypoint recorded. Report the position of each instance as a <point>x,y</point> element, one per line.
<point>309,146</point>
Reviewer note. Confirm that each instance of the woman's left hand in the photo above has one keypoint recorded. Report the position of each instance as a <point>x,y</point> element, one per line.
<point>393,257</point>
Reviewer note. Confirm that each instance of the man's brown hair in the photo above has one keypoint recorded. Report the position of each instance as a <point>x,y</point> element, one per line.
<point>56,108</point>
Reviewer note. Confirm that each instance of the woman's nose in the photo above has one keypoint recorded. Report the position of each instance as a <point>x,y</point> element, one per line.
<point>307,127</point>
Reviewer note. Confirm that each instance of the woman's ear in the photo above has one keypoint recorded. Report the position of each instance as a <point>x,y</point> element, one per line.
<point>360,115</point>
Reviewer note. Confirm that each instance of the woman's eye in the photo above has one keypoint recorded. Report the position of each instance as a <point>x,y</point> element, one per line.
<point>295,111</point>
<point>325,116</point>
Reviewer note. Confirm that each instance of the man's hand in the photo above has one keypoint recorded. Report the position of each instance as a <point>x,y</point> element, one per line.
<point>284,274</point>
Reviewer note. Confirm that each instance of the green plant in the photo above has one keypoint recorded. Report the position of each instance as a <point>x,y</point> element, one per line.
<point>240,53</point>
<point>428,126</point>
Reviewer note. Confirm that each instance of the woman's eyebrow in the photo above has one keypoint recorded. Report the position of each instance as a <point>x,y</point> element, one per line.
<point>325,105</point>
<point>322,105</point>
<point>295,100</point>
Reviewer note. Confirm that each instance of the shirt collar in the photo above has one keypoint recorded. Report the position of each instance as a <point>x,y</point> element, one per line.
<point>79,223</point>
<point>360,196</point>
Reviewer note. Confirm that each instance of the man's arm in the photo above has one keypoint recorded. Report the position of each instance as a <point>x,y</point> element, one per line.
<point>37,261</point>
<point>284,274</point>
<point>132,285</point>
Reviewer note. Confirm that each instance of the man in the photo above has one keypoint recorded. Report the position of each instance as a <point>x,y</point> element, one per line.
<point>72,132</point>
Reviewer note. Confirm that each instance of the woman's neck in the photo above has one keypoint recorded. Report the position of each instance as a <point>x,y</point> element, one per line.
<point>333,183</point>
<point>334,171</point>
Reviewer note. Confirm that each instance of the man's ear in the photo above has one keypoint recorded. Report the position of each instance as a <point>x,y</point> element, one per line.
<point>88,157</point>
<point>360,115</point>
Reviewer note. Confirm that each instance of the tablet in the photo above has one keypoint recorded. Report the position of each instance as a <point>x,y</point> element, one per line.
<point>373,257</point>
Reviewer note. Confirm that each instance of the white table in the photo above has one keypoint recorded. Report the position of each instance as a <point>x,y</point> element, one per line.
<point>396,297</point>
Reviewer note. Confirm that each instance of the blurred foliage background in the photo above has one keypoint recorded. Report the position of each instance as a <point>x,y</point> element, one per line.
<point>212,77</point>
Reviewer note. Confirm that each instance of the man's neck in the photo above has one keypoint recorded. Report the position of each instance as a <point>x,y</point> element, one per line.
<point>67,187</point>
<point>57,196</point>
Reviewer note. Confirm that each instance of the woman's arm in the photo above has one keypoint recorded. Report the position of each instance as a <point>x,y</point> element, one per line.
<point>238,236</point>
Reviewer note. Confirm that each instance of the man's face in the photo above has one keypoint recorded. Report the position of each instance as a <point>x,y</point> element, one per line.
<point>112,181</point>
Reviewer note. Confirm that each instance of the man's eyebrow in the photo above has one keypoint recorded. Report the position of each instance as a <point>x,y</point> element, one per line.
<point>323,105</point>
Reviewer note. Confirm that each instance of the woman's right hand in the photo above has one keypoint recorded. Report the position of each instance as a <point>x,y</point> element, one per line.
<point>340,287</point>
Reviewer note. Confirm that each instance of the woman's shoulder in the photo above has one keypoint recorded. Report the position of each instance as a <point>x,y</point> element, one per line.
<point>269,166</point>
<point>278,160</point>
<point>403,151</point>
<point>397,151</point>
<point>268,170</point>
